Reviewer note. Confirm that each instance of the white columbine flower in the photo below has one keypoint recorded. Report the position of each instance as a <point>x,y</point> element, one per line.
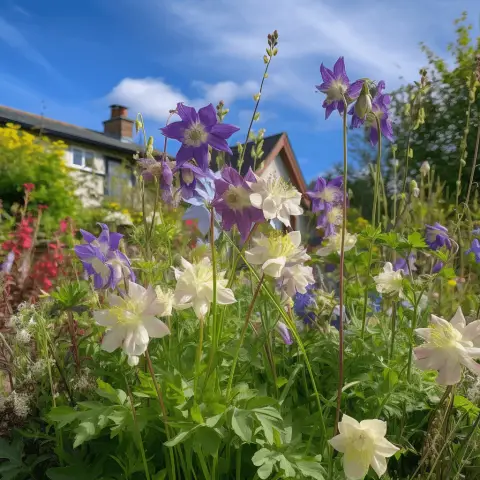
<point>449,346</point>
<point>425,168</point>
<point>389,281</point>
<point>334,244</point>
<point>195,287</point>
<point>363,444</point>
<point>165,299</point>
<point>131,320</point>
<point>295,279</point>
<point>276,197</point>
<point>276,252</point>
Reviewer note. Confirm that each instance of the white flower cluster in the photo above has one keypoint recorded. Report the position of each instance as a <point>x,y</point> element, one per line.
<point>19,402</point>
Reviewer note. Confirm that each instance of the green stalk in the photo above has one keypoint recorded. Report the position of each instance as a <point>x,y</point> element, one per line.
<point>394,327</point>
<point>377,172</point>
<point>214,287</point>
<point>198,356</point>
<point>412,334</point>
<point>242,337</point>
<point>342,272</point>
<point>365,296</point>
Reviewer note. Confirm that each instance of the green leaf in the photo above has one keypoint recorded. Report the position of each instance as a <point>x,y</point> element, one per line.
<point>281,381</point>
<point>310,468</point>
<point>196,414</point>
<point>12,451</point>
<point>68,473</point>
<point>213,421</point>
<point>287,467</point>
<point>84,432</point>
<point>265,470</point>
<point>105,390</point>
<point>62,415</point>
<point>181,437</point>
<point>242,424</point>
<point>261,456</point>
<point>208,440</point>
<point>291,381</point>
<point>416,240</point>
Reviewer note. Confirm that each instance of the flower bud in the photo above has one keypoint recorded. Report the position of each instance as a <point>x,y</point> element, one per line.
<point>256,97</point>
<point>414,189</point>
<point>425,168</point>
<point>363,104</point>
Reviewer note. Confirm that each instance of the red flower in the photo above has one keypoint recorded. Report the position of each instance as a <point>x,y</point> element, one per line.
<point>42,207</point>
<point>64,225</point>
<point>28,187</point>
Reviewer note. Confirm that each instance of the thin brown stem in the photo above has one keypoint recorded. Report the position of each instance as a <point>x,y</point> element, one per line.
<point>157,389</point>
<point>73,336</point>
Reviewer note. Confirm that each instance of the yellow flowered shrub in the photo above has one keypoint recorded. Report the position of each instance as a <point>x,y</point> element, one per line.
<point>28,158</point>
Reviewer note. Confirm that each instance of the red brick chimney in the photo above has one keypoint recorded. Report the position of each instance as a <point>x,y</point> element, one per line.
<point>119,125</point>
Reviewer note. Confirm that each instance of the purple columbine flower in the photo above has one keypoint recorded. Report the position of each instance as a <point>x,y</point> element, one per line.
<point>303,305</point>
<point>380,105</point>
<point>336,86</point>
<point>188,174</point>
<point>326,193</point>
<point>284,332</point>
<point>330,218</point>
<point>101,258</point>
<point>437,267</point>
<point>437,237</point>
<point>475,248</point>
<point>6,266</point>
<point>197,131</point>
<point>159,169</point>
<point>232,201</point>
<point>404,265</point>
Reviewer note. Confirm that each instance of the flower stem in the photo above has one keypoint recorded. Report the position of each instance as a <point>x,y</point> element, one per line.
<point>377,174</point>
<point>214,280</point>
<point>474,165</point>
<point>365,296</point>
<point>394,327</point>
<point>410,351</point>
<point>242,336</point>
<point>342,267</point>
<point>198,356</point>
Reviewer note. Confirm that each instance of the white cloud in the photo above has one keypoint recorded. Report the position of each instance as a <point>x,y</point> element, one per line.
<point>227,91</point>
<point>13,37</point>
<point>154,98</point>
<point>150,96</point>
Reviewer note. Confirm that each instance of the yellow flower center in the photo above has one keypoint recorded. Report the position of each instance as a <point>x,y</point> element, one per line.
<point>329,194</point>
<point>195,135</point>
<point>280,245</point>
<point>335,216</point>
<point>203,273</point>
<point>444,337</point>
<point>336,91</point>
<point>237,198</point>
<point>128,314</point>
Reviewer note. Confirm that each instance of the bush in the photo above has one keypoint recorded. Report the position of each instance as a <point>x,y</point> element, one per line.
<point>26,158</point>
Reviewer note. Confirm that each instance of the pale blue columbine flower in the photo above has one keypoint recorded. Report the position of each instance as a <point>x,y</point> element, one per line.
<point>6,266</point>
<point>200,206</point>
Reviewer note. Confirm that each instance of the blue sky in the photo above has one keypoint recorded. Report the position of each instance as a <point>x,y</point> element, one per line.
<point>71,59</point>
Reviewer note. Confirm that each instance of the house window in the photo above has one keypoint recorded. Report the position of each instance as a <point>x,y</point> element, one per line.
<point>83,158</point>
<point>119,180</point>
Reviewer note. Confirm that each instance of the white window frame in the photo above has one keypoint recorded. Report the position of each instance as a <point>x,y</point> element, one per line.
<point>82,167</point>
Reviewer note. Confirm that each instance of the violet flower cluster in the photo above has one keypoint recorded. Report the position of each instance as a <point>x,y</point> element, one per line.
<point>102,259</point>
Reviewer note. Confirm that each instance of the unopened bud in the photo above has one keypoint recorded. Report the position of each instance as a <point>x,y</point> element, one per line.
<point>363,104</point>
<point>265,59</point>
<point>425,168</point>
<point>414,188</point>
<point>394,148</point>
<point>138,125</point>
<point>256,97</point>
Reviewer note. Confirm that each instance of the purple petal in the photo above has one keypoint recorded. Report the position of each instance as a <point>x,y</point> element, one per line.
<point>184,155</point>
<point>329,108</point>
<point>373,135</point>
<point>386,128</point>
<point>327,75</point>
<point>244,224</point>
<point>87,252</point>
<point>218,143</point>
<point>224,130</point>
<point>87,236</point>
<point>339,71</point>
<point>174,130</point>
<point>200,154</point>
<point>250,176</point>
<point>208,115</point>
<point>115,240</point>
<point>354,89</point>
<point>187,114</point>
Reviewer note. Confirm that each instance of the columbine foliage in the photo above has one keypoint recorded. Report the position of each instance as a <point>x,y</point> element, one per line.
<point>208,344</point>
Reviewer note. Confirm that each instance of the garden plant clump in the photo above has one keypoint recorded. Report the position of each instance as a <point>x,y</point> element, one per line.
<point>239,352</point>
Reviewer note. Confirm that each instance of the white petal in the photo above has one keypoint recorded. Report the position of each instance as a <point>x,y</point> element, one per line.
<point>385,448</point>
<point>295,237</point>
<point>115,300</point>
<point>473,352</point>
<point>439,321</point>
<point>338,443</point>
<point>458,320</point>
<point>388,267</point>
<point>133,360</point>
<point>135,290</point>
<point>324,251</point>
<point>105,318</point>
<point>471,364</point>
<point>450,373</point>
<point>155,327</point>
<point>284,216</point>
<point>424,333</point>
<point>256,200</point>
<point>376,426</point>
<point>113,339</point>
<point>379,464</point>
<point>274,267</point>
<point>136,341</point>
<point>347,424</point>
<point>269,208</point>
<point>225,296</point>
<point>472,333</point>
<point>355,466</point>
<point>200,306</point>
<point>428,357</point>
<point>185,264</point>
